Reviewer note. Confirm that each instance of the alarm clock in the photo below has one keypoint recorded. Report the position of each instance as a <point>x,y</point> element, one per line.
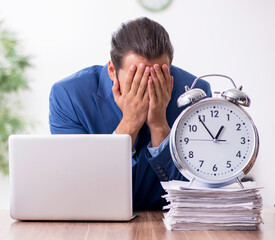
<point>214,142</point>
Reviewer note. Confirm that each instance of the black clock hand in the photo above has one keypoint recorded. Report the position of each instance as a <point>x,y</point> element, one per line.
<point>206,128</point>
<point>219,132</point>
<point>206,140</point>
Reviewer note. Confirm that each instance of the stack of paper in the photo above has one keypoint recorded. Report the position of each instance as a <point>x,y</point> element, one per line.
<point>201,208</point>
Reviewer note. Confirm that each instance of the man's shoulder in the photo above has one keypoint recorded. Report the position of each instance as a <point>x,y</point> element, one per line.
<point>177,71</point>
<point>183,78</point>
<point>83,80</point>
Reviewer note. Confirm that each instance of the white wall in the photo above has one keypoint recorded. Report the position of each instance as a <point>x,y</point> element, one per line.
<point>215,36</point>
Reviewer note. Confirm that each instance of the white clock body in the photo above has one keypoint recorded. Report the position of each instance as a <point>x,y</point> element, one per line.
<point>214,142</point>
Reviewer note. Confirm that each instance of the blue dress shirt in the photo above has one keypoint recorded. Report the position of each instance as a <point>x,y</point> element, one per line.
<point>83,103</point>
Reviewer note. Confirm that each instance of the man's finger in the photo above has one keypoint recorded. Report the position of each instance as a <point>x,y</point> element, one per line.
<point>144,82</point>
<point>172,84</point>
<point>137,78</point>
<point>157,85</point>
<point>167,77</point>
<point>146,95</point>
<point>152,92</point>
<point>129,78</point>
<point>116,90</point>
<point>160,76</point>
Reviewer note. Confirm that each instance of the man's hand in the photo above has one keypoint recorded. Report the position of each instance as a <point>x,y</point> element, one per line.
<point>160,86</point>
<point>133,101</point>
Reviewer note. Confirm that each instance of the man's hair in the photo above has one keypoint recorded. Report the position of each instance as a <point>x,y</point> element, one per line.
<point>141,36</point>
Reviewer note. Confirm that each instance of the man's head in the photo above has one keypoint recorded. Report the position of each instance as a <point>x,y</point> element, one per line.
<point>143,38</point>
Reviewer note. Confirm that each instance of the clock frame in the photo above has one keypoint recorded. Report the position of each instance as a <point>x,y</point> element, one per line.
<point>195,98</point>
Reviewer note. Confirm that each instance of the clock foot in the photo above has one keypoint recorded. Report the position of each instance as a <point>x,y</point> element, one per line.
<point>239,182</point>
<point>191,181</point>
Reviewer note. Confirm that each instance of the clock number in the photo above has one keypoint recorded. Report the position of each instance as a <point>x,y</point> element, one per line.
<point>228,164</point>
<point>228,117</point>
<point>201,161</point>
<point>191,154</point>
<point>202,118</point>
<point>215,168</point>
<point>238,126</point>
<point>238,154</point>
<point>193,128</point>
<point>243,140</point>
<point>214,113</point>
<point>186,140</point>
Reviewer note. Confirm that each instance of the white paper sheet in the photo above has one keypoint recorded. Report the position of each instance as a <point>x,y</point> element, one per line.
<point>202,208</point>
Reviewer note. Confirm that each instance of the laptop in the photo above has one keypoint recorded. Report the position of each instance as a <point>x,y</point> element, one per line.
<point>71,177</point>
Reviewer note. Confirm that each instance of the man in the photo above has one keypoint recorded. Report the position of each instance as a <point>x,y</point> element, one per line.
<point>135,94</point>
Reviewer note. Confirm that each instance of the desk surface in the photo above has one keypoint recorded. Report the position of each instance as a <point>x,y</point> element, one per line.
<point>147,225</point>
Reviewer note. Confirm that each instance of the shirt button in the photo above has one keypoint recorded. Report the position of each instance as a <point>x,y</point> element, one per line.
<point>165,178</point>
<point>158,166</point>
<point>161,170</point>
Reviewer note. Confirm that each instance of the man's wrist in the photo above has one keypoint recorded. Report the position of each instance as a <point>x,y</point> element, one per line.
<point>154,151</point>
<point>125,127</point>
<point>159,133</point>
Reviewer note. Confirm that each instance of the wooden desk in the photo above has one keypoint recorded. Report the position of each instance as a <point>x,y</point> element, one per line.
<point>148,225</point>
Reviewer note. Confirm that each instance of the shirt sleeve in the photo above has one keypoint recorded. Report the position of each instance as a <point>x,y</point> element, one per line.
<point>162,163</point>
<point>154,151</point>
<point>62,116</point>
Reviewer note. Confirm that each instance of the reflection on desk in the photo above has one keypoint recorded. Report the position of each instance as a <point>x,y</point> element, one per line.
<point>147,225</point>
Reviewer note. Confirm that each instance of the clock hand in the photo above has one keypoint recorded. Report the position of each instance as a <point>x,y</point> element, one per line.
<point>206,128</point>
<point>207,140</point>
<point>219,132</point>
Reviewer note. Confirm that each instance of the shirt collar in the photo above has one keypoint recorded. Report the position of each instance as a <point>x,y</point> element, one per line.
<point>105,83</point>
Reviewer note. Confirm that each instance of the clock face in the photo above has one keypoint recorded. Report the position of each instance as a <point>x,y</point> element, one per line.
<point>155,5</point>
<point>215,140</point>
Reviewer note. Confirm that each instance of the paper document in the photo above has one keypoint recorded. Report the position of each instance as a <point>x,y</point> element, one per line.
<point>202,208</point>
